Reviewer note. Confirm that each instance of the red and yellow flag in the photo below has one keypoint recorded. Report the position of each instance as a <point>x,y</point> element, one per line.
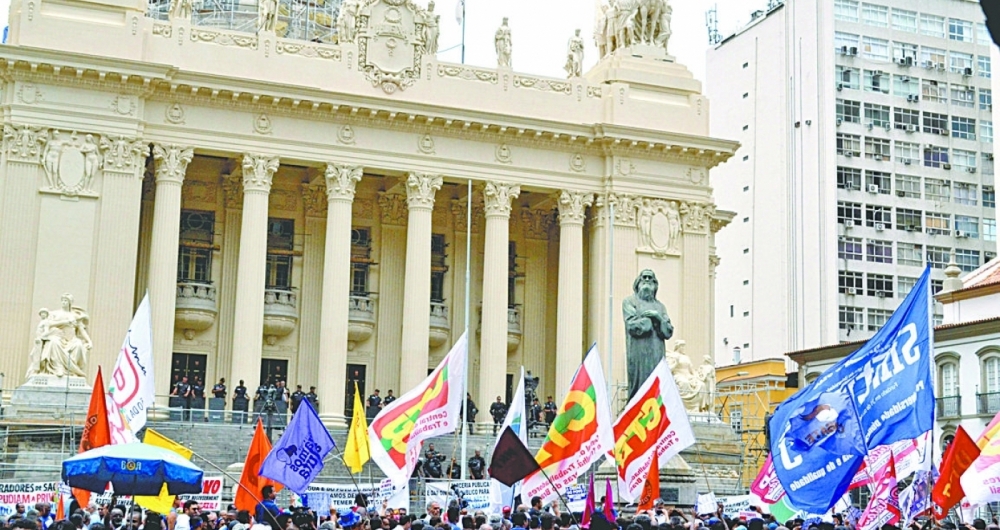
<point>96,431</point>
<point>651,489</point>
<point>431,409</point>
<point>248,492</point>
<point>579,435</point>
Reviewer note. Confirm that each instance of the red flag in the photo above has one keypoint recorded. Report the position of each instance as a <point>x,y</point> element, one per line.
<point>959,456</point>
<point>883,507</point>
<point>651,490</point>
<point>248,492</point>
<point>96,431</point>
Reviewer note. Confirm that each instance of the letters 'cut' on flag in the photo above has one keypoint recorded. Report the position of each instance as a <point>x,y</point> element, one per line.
<point>880,394</point>
<point>579,435</point>
<point>767,486</point>
<point>957,458</point>
<point>653,425</point>
<point>96,431</point>
<point>357,451</point>
<point>248,491</point>
<point>651,489</point>
<point>163,502</point>
<point>511,460</point>
<point>431,409</point>
<point>981,481</point>
<point>883,507</point>
<point>132,379</point>
<point>298,456</point>
<point>516,419</point>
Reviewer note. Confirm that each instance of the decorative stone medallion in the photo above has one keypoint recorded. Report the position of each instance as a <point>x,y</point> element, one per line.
<point>390,43</point>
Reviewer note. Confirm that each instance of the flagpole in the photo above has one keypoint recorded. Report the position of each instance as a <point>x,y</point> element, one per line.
<point>468,283</point>
<point>611,296</point>
<point>470,181</point>
<point>555,489</point>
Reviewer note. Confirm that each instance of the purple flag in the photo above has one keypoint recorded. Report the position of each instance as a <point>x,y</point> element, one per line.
<point>297,457</point>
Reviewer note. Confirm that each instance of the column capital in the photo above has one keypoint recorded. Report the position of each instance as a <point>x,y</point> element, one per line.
<point>696,217</point>
<point>232,189</point>
<point>420,190</point>
<point>25,143</point>
<point>258,172</point>
<point>121,154</point>
<point>573,206</point>
<point>171,162</point>
<point>498,197</point>
<point>315,198</point>
<point>341,180</point>
<point>626,206</point>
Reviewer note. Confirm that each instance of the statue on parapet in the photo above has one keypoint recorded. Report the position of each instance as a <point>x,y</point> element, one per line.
<point>267,12</point>
<point>504,45</point>
<point>347,20</point>
<point>181,9</point>
<point>62,343</point>
<point>574,56</point>
<point>696,385</point>
<point>624,23</point>
<point>647,328</point>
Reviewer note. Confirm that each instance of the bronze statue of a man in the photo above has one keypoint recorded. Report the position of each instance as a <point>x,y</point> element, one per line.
<point>647,327</point>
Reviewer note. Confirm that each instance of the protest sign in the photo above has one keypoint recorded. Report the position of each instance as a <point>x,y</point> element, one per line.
<point>340,497</point>
<point>210,498</point>
<point>27,493</point>
<point>474,492</point>
<point>576,498</point>
<point>735,505</point>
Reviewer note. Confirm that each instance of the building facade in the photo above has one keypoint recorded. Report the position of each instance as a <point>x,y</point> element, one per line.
<point>292,193</point>
<point>866,153</point>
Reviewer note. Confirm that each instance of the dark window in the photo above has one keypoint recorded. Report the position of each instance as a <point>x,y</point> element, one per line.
<point>194,255</point>
<point>438,267</point>
<point>361,251</point>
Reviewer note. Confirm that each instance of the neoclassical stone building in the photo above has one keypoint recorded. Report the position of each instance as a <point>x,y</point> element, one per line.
<point>296,206</point>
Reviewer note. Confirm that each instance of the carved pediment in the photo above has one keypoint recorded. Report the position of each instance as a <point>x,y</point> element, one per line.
<point>390,42</point>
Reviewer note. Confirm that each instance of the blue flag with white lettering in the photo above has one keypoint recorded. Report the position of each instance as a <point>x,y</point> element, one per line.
<point>297,457</point>
<point>880,394</point>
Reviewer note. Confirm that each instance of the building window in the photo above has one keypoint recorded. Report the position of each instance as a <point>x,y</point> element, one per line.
<point>902,50</point>
<point>904,20</point>
<point>985,99</point>
<point>849,248</point>
<point>512,273</point>
<point>935,123</point>
<point>991,375</point>
<point>877,318</point>
<point>908,153</point>
<point>936,287</point>
<point>194,255</point>
<point>438,267</point>
<point>986,162</point>
<point>875,49</point>
<point>905,284</point>
<point>964,160</point>
<point>967,260</point>
<point>851,317</point>
<point>983,35</point>
<point>989,229</point>
<point>280,247</point>
<point>933,58</point>
<point>877,115</point>
<point>985,68</point>
<point>933,91</point>
<point>904,86</point>
<point>967,194</point>
<point>931,25</point>
<point>986,131</point>
<point>736,417</point>
<point>879,251</point>
<point>963,96</point>
<point>848,78</point>
<point>848,178</point>
<point>880,285</point>
<point>938,257</point>
<point>960,30</point>
<point>845,41</point>
<point>935,156</point>
<point>849,213</point>
<point>964,128</point>
<point>907,186</point>
<point>910,220</point>
<point>851,282</point>
<point>910,254</point>
<point>989,197</point>
<point>848,144</point>
<point>937,190</point>
<point>361,252</point>
<point>876,81</point>
<point>879,217</point>
<point>960,63</point>
<point>875,15</point>
<point>906,119</point>
<point>948,375</point>
<point>938,223</point>
<point>846,10</point>
<point>849,111</point>
<point>879,180</point>
<point>878,148</point>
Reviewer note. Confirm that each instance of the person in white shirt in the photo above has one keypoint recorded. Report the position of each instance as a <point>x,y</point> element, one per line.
<point>183,521</point>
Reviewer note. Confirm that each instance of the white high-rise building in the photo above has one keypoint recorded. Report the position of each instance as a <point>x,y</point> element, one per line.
<point>867,151</point>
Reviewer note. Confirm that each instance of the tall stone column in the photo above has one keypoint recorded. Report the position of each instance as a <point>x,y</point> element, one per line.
<point>493,349</point>
<point>171,165</point>
<point>569,329</point>
<point>248,333</point>
<point>420,190</point>
<point>232,223</point>
<point>340,182</point>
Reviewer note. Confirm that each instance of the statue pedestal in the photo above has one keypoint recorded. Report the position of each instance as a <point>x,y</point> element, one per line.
<point>50,397</point>
<point>677,481</point>
<point>645,68</point>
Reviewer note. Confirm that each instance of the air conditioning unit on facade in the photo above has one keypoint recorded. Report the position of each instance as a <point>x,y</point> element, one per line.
<point>880,294</point>
<point>907,161</point>
<point>970,169</point>
<point>849,223</point>
<point>961,235</point>
<point>873,188</point>
<point>840,122</point>
<point>946,166</point>
<point>879,227</point>
<point>967,72</point>
<point>911,128</point>
<point>900,193</point>
<point>851,291</point>
<point>887,126</point>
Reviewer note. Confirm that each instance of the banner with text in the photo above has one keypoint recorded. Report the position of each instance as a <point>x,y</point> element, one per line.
<point>340,497</point>
<point>210,498</point>
<point>475,492</point>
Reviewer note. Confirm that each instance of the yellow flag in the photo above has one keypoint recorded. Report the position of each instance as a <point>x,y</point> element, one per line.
<point>163,502</point>
<point>357,453</point>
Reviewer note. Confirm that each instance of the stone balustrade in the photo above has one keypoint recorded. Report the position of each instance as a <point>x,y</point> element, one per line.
<point>196,308</point>
<point>361,319</point>
<point>440,327</point>
<point>281,314</point>
<point>513,328</point>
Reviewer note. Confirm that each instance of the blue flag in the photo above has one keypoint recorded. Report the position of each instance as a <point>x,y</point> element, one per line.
<point>297,457</point>
<point>880,394</point>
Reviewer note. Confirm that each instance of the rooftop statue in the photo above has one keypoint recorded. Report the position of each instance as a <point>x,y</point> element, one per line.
<point>62,344</point>
<point>503,44</point>
<point>574,56</point>
<point>625,23</point>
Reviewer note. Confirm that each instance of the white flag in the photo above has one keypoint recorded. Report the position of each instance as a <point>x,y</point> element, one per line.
<point>500,494</point>
<point>132,379</point>
<point>460,12</point>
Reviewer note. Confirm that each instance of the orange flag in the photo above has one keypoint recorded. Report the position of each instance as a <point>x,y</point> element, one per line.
<point>651,490</point>
<point>250,480</point>
<point>96,431</point>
